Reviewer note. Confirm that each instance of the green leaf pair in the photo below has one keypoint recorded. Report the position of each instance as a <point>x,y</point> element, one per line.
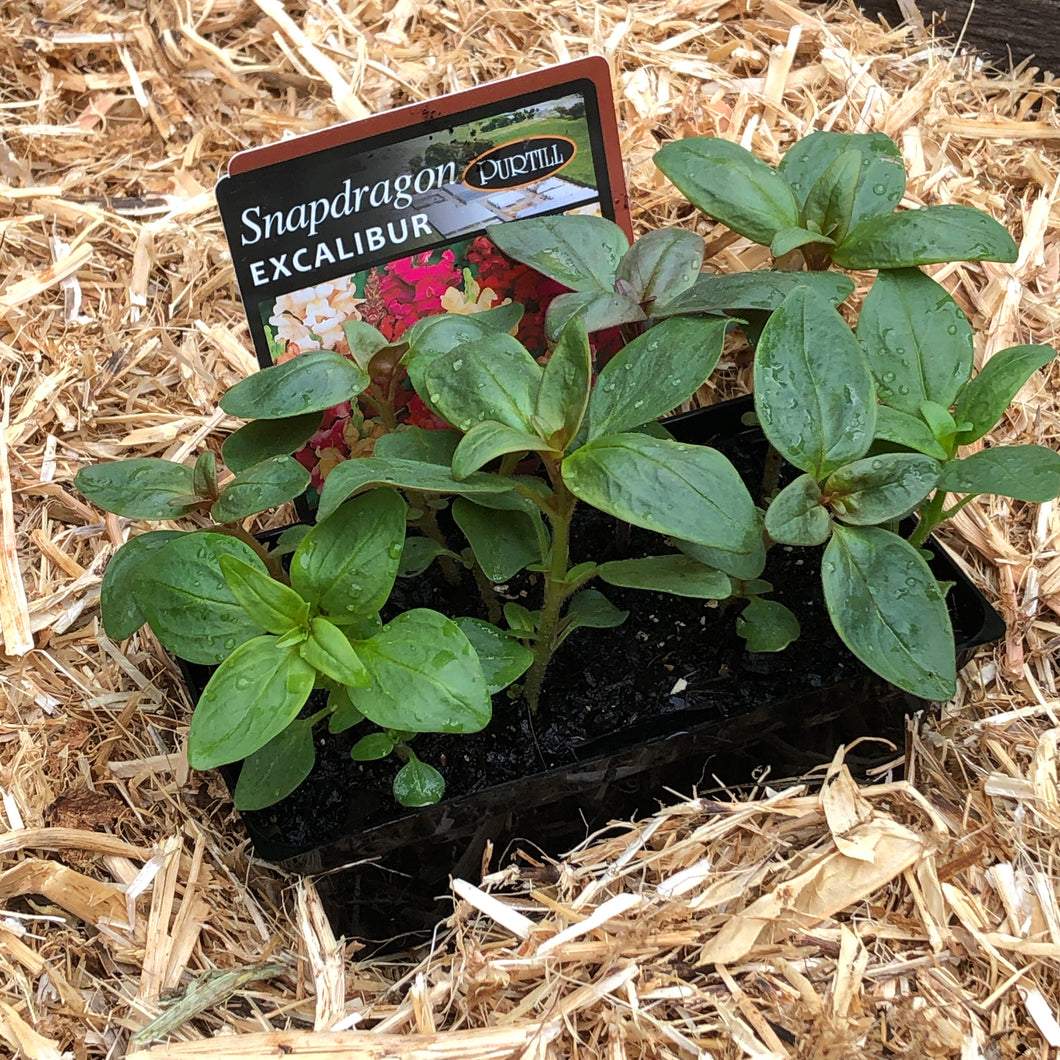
<point>611,283</point>
<point>920,349</point>
<point>833,197</point>
<point>152,488</point>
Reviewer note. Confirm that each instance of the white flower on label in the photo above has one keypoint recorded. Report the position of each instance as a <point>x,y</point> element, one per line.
<point>312,317</point>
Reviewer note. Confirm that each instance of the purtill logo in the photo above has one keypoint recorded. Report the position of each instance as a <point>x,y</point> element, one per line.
<point>520,162</point>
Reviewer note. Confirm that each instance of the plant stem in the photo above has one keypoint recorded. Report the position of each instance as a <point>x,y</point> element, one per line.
<point>931,514</point>
<point>428,522</point>
<point>485,587</point>
<point>771,474</point>
<point>556,588</point>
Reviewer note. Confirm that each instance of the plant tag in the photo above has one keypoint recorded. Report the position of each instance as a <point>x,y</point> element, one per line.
<point>379,219</point>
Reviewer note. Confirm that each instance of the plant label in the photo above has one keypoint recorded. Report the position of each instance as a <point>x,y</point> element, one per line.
<point>386,220</point>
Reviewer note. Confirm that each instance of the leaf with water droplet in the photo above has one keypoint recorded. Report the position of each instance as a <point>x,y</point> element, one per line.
<point>925,236</point>
<point>905,636</point>
<point>904,327</point>
<point>140,488</point>
<point>311,382</point>
<point>410,689</point>
<point>825,164</point>
<point>418,783</point>
<point>662,264</point>
<point>272,772</point>
<point>183,579</point>
<point>250,698</point>
<point>634,386</point>
<point>357,544</point>
<point>579,251</point>
<point>1025,472</point>
<point>882,489</point>
<point>729,183</point>
<point>814,392</point>
<point>982,401</point>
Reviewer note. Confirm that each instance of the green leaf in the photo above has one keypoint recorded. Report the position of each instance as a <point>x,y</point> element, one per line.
<point>260,439</point>
<point>688,491</point>
<point>425,677</point>
<point>901,428</point>
<point>272,772</point>
<point>119,610</point>
<point>290,539</point>
<point>596,310</point>
<point>677,573</point>
<point>346,565</point>
<point>923,237</point>
<point>918,341</point>
<point>889,611</point>
<point>829,206</point>
<point>654,373</point>
<point>310,382</point>
<point>250,698</point>
<point>260,487</point>
<point>363,340</point>
<point>271,604</point>
<point>580,252</point>
<point>371,748</point>
<point>982,401</point>
<point>580,572</point>
<point>813,389</point>
<point>440,333</point>
<point>494,378</point>
<point>487,440</point>
<point>789,239</point>
<point>344,715</point>
<point>431,337</point>
<point>767,625</point>
<point>204,476</point>
<point>352,476</point>
<point>728,183</point>
<point>741,565</point>
<point>328,650</point>
<point>418,784</point>
<point>503,542</point>
<point>418,554</point>
<point>187,601</point>
<point>662,264</point>
<point>1024,472</point>
<point>520,620</point>
<point>502,657</point>
<point>564,392</point>
<point>590,609</point>
<point>941,424</point>
<point>761,289</point>
<point>880,183</point>
<point>796,515</point>
<point>417,443</point>
<point>142,488</point>
<point>881,489</point>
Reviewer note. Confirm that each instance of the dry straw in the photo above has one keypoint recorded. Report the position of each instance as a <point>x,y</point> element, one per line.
<point>917,917</point>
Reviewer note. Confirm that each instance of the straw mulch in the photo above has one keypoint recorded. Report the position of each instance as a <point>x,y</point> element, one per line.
<point>916,917</point>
